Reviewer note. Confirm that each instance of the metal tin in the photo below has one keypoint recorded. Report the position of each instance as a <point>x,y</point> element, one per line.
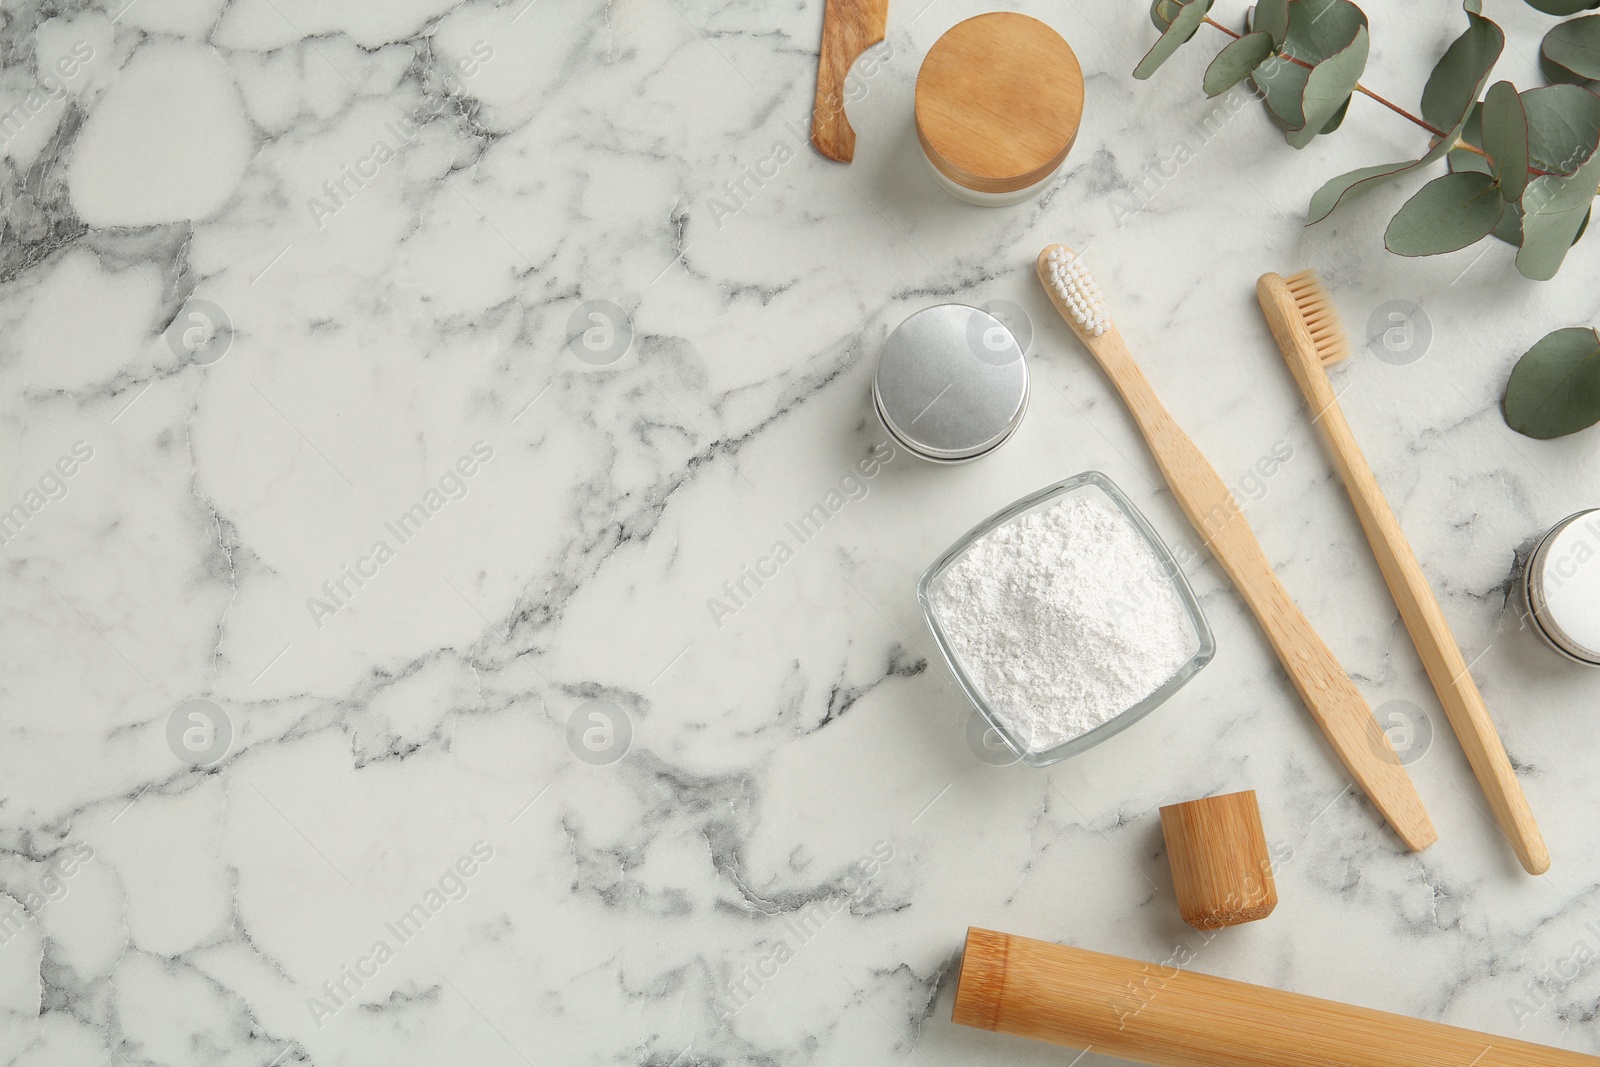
<point>951,384</point>
<point>1561,587</point>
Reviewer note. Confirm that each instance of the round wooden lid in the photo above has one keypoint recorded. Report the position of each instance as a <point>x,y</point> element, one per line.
<point>999,99</point>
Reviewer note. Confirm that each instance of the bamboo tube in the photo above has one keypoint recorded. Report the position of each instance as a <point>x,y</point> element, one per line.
<point>1169,1017</point>
<point>1217,850</point>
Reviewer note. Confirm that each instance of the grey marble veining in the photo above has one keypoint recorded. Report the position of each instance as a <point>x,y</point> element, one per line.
<point>519,738</point>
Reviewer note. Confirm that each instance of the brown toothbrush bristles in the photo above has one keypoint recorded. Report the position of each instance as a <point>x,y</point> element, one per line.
<point>1320,317</point>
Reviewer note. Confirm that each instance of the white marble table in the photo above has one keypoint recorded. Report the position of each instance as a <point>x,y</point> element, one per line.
<point>285,281</point>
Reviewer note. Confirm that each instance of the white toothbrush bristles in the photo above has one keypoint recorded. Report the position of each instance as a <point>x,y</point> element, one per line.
<point>1076,287</point>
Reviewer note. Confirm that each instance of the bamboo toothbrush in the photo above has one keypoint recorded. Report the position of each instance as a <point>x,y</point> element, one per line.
<point>1327,691</point>
<point>1307,329</point>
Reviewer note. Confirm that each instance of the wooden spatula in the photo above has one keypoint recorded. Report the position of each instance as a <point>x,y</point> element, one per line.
<point>849,27</point>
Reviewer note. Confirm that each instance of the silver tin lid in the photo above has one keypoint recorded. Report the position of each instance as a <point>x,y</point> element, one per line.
<point>951,384</point>
<point>1562,584</point>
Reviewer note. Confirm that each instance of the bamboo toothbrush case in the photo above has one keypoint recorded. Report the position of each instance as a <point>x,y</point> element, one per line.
<point>998,103</point>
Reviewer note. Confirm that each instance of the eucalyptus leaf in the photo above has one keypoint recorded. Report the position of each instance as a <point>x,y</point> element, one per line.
<point>1281,84</point>
<point>1319,28</point>
<point>1334,189</point>
<point>1505,138</point>
<point>1328,88</point>
<point>1162,12</point>
<point>1315,31</point>
<point>1449,213</point>
<point>1472,129</point>
<point>1554,211</point>
<point>1464,160</point>
<point>1463,157</point>
<point>1509,228</point>
<point>1554,389</point>
<point>1575,46</point>
<point>1235,62</point>
<point>1545,241</point>
<point>1563,7</point>
<point>1183,26</point>
<point>1338,116</point>
<point>1272,17</point>
<point>1563,127</point>
<point>1459,76</point>
<point>1556,74</point>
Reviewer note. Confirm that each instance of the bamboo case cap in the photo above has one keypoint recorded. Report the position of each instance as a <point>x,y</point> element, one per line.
<point>1220,866</point>
<point>999,99</point>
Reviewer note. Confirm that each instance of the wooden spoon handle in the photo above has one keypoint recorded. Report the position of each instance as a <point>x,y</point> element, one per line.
<point>849,27</point>
<point>1334,702</point>
<point>1419,609</point>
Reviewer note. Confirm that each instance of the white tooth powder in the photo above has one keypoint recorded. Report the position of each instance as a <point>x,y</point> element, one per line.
<point>1063,618</point>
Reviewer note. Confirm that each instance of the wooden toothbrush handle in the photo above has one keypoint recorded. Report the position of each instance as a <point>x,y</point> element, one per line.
<point>1334,702</point>
<point>1419,609</point>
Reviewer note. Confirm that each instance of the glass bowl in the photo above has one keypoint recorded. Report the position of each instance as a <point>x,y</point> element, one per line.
<point>1202,645</point>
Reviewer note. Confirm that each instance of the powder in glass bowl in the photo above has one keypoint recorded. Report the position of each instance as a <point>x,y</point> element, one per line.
<point>1063,617</point>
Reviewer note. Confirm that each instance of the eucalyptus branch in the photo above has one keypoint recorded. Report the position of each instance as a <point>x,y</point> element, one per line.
<point>1499,138</point>
<point>1390,104</point>
<point>1555,389</point>
<point>1362,89</point>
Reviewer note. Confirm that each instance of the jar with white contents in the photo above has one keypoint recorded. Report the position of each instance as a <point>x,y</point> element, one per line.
<point>1561,588</point>
<point>1065,619</point>
<point>998,103</point>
